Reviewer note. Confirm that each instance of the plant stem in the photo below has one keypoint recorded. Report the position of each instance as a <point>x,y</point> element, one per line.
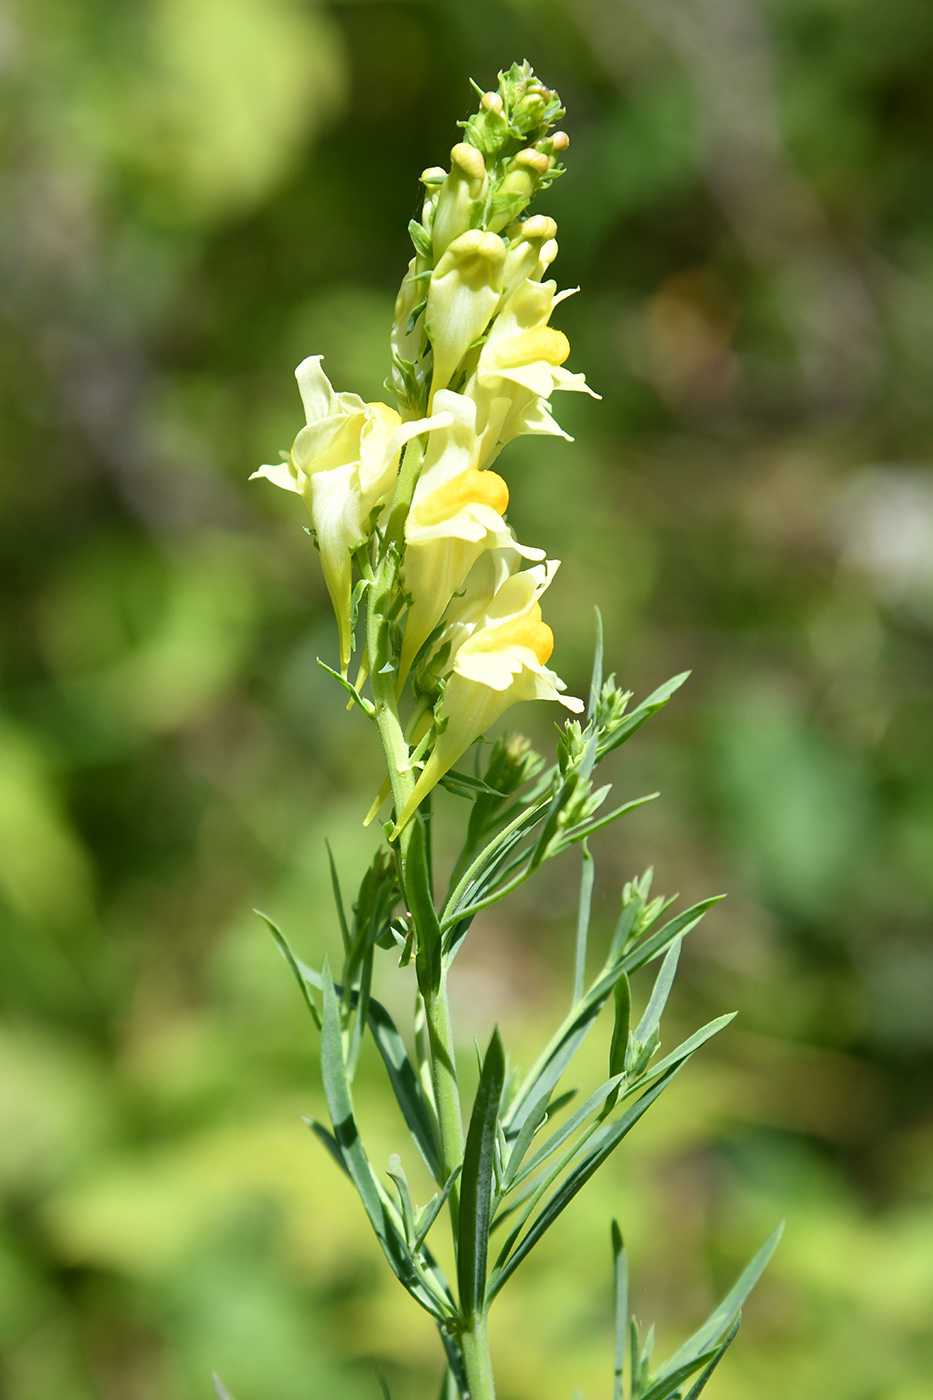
<point>446,1091</point>
<point>477,1361</point>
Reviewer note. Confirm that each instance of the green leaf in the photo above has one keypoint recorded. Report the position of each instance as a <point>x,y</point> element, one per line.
<point>695,1390</point>
<point>722,1317</point>
<point>525,1137</point>
<point>557,1139</point>
<point>476,1183</point>
<point>623,1012</point>
<point>656,701</point>
<point>619,1307</point>
<point>420,238</point>
<point>596,680</point>
<point>365,705</point>
<point>686,1049</point>
<point>602,1145</point>
<point>416,1110</point>
<point>583,923</point>
<point>337,1094</point>
<point>431,1211</point>
<point>329,1142</point>
<point>222,1392</point>
<point>338,898</point>
<point>665,1388</point>
<point>463,785</point>
<point>421,905</point>
<point>650,948</point>
<point>662,990</point>
<point>299,969</point>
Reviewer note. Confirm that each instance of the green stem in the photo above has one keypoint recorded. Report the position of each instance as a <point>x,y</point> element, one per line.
<point>446,1091</point>
<point>477,1361</point>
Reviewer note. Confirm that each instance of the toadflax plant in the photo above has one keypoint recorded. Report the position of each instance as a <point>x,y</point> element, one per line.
<point>438,610</point>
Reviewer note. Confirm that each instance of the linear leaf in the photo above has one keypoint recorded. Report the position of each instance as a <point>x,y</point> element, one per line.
<point>299,969</point>
<point>664,1389</point>
<point>434,1208</point>
<point>329,1142</point>
<point>417,1112</point>
<point>662,990</point>
<point>687,1048</point>
<point>476,1182</point>
<point>655,701</point>
<point>222,1391</point>
<point>721,1318</point>
<point>601,1146</point>
<point>532,1123</point>
<point>620,1027</point>
<point>695,1390</point>
<point>575,1121</point>
<point>619,1307</point>
<point>583,923</point>
<point>596,680</point>
<point>337,1094</point>
<point>338,898</point>
<point>650,948</point>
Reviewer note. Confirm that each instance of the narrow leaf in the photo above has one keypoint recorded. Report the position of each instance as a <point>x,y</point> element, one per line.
<point>433,1210</point>
<point>668,1387</point>
<point>222,1391</point>
<point>337,1094</point>
<point>575,1121</point>
<point>662,990</point>
<point>619,1307</point>
<point>298,968</point>
<point>719,1321</point>
<point>700,1385</point>
<point>623,1013</point>
<point>383,1385</point>
<point>596,680</point>
<point>476,1183</point>
<point>656,700</point>
<point>525,1137</point>
<point>417,1112</point>
<point>329,1142</point>
<point>686,1049</point>
<point>583,923</point>
<point>650,948</point>
<point>601,1146</point>
<point>338,898</point>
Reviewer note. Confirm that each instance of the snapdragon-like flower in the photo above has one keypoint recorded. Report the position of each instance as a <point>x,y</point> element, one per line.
<point>344,465</point>
<point>499,662</point>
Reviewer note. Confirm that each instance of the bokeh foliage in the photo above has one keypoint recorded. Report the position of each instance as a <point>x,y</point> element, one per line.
<point>195,196</point>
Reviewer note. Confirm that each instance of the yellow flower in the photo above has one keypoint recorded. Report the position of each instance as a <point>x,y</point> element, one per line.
<point>463,294</point>
<point>344,465</point>
<point>446,532</point>
<point>500,662</point>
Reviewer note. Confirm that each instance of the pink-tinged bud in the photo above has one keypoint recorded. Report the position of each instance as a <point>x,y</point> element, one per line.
<point>559,141</point>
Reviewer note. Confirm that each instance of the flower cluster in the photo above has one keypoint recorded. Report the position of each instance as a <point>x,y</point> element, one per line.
<point>408,495</point>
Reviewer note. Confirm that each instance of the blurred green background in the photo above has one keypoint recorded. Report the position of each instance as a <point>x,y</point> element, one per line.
<point>196,194</point>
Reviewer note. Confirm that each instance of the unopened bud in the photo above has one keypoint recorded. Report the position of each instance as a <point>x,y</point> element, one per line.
<point>531,159</point>
<point>462,297</point>
<point>559,141</point>
<point>527,244</point>
<point>433,176</point>
<point>460,196</point>
<point>491,102</point>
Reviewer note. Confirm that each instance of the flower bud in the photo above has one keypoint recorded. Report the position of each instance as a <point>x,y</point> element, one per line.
<point>460,198</point>
<point>519,183</point>
<point>462,297</point>
<point>532,247</point>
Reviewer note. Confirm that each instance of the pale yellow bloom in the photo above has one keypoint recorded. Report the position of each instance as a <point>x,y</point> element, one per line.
<point>463,294</point>
<point>446,532</point>
<point>500,662</point>
<point>344,464</point>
